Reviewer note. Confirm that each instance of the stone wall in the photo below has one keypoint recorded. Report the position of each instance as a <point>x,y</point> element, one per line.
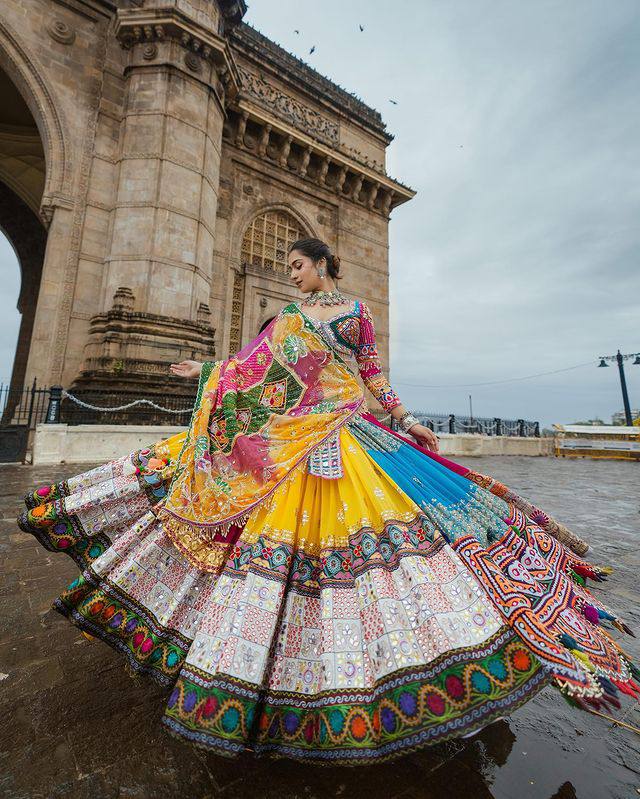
<point>61,443</point>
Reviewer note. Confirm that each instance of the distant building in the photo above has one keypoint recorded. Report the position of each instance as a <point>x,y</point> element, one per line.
<point>619,418</point>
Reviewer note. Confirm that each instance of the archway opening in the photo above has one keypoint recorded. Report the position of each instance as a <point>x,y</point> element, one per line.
<point>22,181</point>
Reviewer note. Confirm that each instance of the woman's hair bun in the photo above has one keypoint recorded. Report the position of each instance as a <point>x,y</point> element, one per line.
<point>316,249</point>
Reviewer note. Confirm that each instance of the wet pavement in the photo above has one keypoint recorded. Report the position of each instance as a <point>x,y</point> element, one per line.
<point>73,723</point>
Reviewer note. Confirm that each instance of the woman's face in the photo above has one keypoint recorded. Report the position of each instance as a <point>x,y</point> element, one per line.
<point>303,271</point>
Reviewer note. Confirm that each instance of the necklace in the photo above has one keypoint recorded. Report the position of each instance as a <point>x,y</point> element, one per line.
<point>333,297</point>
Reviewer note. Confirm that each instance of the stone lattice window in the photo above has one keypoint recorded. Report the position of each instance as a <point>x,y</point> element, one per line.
<point>237,306</point>
<point>267,240</point>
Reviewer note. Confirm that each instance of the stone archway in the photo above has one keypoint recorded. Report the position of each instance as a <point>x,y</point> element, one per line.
<point>34,183</point>
<point>33,106</point>
<point>22,184</point>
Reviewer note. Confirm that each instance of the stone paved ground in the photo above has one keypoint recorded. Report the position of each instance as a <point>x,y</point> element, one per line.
<point>74,724</point>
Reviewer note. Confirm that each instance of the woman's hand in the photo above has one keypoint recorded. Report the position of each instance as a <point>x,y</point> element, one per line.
<point>425,437</point>
<point>186,368</point>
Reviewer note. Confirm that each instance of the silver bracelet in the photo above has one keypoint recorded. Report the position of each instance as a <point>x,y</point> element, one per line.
<point>407,420</point>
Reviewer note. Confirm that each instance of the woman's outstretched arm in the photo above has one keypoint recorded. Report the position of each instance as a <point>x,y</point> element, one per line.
<point>193,368</point>
<point>370,370</point>
<point>186,368</point>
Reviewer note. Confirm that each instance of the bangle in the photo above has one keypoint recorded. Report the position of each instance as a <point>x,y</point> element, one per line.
<point>407,420</point>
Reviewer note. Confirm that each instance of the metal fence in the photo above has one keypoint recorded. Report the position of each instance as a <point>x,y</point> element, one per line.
<point>93,406</point>
<point>30,406</point>
<point>26,406</point>
<point>488,426</point>
<point>20,411</point>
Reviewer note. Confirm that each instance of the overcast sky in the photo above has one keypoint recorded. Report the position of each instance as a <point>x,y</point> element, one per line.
<point>517,123</point>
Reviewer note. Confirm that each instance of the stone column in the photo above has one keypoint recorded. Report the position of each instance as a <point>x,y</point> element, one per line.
<point>178,76</point>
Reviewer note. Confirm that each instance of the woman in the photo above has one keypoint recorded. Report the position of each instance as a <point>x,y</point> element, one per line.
<point>308,583</point>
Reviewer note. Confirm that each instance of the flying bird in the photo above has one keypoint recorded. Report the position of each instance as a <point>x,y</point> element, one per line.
<point>297,32</point>
<point>312,49</point>
<point>361,27</point>
<point>395,102</point>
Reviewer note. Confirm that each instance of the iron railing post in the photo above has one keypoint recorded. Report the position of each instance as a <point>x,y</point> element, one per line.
<point>31,401</point>
<point>53,409</point>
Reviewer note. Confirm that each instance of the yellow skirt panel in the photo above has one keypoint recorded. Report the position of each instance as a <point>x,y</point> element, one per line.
<point>316,513</point>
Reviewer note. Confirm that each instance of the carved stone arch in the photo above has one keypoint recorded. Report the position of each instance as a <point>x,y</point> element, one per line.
<point>262,244</point>
<point>34,171</point>
<point>245,220</point>
<point>20,67</point>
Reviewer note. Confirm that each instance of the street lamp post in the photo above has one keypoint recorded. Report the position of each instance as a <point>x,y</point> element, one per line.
<point>619,357</point>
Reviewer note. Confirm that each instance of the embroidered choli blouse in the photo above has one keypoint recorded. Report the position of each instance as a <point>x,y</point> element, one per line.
<point>352,333</point>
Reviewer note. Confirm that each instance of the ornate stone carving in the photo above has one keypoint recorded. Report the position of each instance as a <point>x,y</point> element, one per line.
<point>132,34</point>
<point>117,337</point>
<point>61,32</point>
<point>288,108</point>
<point>225,77</point>
<point>294,153</point>
<point>136,25</point>
<point>286,149</point>
<point>373,193</point>
<point>322,172</point>
<point>150,51</point>
<point>341,178</point>
<point>242,126</point>
<point>192,62</point>
<point>237,304</point>
<point>304,162</point>
<point>124,299</point>
<point>264,141</point>
<point>267,240</point>
<point>203,314</point>
<point>262,51</point>
<point>357,188</point>
<point>66,87</point>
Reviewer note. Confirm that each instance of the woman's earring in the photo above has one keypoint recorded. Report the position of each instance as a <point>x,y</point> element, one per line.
<point>321,271</point>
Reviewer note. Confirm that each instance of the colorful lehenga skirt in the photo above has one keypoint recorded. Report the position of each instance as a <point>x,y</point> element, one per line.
<point>409,601</point>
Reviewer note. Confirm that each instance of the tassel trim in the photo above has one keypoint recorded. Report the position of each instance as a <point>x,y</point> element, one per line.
<point>205,548</point>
